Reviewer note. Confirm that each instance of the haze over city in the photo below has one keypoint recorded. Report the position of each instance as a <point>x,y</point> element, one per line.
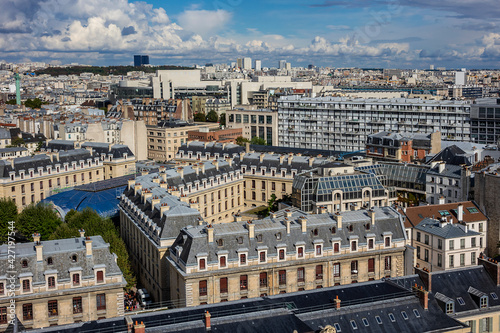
<point>384,33</point>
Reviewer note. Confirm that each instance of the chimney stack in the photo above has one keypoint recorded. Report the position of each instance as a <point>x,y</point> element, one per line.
<point>460,213</point>
<point>88,246</point>
<point>303,223</point>
<point>216,164</point>
<point>262,157</point>
<point>196,169</point>
<point>82,233</point>
<point>290,158</point>
<point>282,158</point>
<point>288,213</point>
<point>38,247</point>
<point>423,296</point>
<point>247,147</point>
<point>288,223</point>
<point>208,326</point>
<point>311,161</point>
<point>425,276</point>
<point>163,208</point>
<point>337,302</point>
<point>137,188</point>
<point>130,183</point>
<point>210,233</point>
<point>339,220</point>
<point>251,229</point>
<point>139,328</point>
<point>441,200</point>
<point>237,218</point>
<point>491,266</point>
<point>180,171</point>
<point>371,213</point>
<point>441,166</point>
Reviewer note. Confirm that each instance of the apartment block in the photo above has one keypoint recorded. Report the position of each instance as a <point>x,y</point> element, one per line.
<point>289,251</point>
<point>61,282</point>
<point>255,123</point>
<point>343,124</point>
<point>485,121</point>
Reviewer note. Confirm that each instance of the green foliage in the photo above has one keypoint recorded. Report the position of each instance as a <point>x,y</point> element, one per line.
<point>241,141</point>
<point>199,117</point>
<point>270,202</point>
<point>11,102</point>
<point>17,142</point>
<point>212,117</point>
<point>39,145</point>
<point>115,70</point>
<point>37,218</point>
<point>34,104</point>
<point>222,119</point>
<point>258,141</point>
<point>8,212</point>
<point>94,225</point>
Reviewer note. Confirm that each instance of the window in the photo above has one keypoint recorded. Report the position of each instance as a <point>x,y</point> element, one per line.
<point>462,259</point>
<point>418,236</point>
<point>426,239</point>
<point>370,244</point>
<point>365,322</point>
<point>354,246</point>
<point>337,327</point>
<point>76,279</point>
<point>263,280</point>
<point>336,270</point>
<point>379,320</point>
<point>451,244</point>
<point>451,264</point>
<point>300,274</point>
<point>440,244</point>
<point>100,276</point>
<point>462,243</point>
<point>483,302</point>
<point>3,315</point>
<point>202,264</point>
<point>371,265</point>
<point>262,256</point>
<point>101,301</point>
<point>223,285</point>
<point>426,255</point>
<point>281,254</point>
<point>450,307</point>
<point>354,325</point>
<point>473,242</point>
<point>354,267</point>
<point>391,317</point>
<point>26,285</point>
<point>282,277</point>
<point>319,272</point>
<point>416,313</point>
<point>440,260</point>
<point>24,263</point>
<point>50,261</point>
<point>300,252</point>
<point>28,311</point>
<point>2,288</point>
<point>243,259</point>
<point>460,301</point>
<point>243,282</point>
<point>52,308</point>
<point>318,250</point>
<point>77,305</point>
<point>74,258</point>
<point>51,282</point>
<point>405,315</point>
<point>315,232</point>
<point>494,296</point>
<point>222,261</point>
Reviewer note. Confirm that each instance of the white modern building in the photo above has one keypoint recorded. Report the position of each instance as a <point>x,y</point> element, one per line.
<point>343,124</point>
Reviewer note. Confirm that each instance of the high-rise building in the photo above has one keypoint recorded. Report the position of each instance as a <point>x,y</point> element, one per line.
<point>258,65</point>
<point>141,60</point>
<point>282,64</point>
<point>461,77</point>
<point>247,63</point>
<point>239,63</point>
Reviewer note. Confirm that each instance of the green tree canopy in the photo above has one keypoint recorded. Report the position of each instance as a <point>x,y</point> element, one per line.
<point>199,117</point>
<point>241,141</point>
<point>37,218</point>
<point>8,212</point>
<point>17,142</point>
<point>258,141</point>
<point>34,104</point>
<point>212,117</point>
<point>222,119</point>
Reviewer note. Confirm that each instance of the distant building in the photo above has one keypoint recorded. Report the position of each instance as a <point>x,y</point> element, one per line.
<point>227,135</point>
<point>485,121</point>
<point>247,63</point>
<point>255,123</point>
<point>402,147</point>
<point>141,60</point>
<point>62,281</point>
<point>447,182</point>
<point>282,64</point>
<point>461,78</point>
<point>258,65</point>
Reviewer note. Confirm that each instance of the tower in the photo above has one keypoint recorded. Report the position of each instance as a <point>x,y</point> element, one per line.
<point>18,88</point>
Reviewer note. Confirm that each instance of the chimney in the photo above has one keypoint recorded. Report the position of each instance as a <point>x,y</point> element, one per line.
<point>247,147</point>
<point>202,167</point>
<point>82,233</point>
<point>130,324</point>
<point>288,213</point>
<point>322,210</point>
<point>88,246</point>
<point>196,169</point>
<point>242,154</point>
<point>423,296</point>
<point>303,223</point>
<point>208,327</point>
<point>130,183</point>
<point>339,220</point>
<point>311,161</point>
<point>441,200</point>
<point>180,171</point>
<point>155,201</point>
<point>146,194</point>
<point>38,247</point>
<point>288,223</point>
<point>282,158</point>
<point>216,164</point>
<point>290,158</point>
<point>139,328</point>
<point>210,233</point>
<point>237,218</point>
<point>491,266</point>
<point>425,276</point>
<point>163,208</point>
<point>337,302</point>
<point>144,172</point>
<point>262,157</point>
<point>371,213</point>
<point>229,161</point>
<point>441,166</point>
<point>251,229</point>
<point>137,188</point>
<point>460,213</point>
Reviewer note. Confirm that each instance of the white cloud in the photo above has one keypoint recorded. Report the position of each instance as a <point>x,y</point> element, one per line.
<point>204,22</point>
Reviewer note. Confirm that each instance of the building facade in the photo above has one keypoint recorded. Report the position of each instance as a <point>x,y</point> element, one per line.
<point>447,181</point>
<point>255,123</point>
<point>343,124</point>
<point>287,252</point>
<point>61,282</point>
<point>485,121</point>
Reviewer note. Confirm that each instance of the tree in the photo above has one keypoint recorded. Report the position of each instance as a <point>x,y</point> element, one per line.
<point>199,117</point>
<point>11,102</point>
<point>39,218</point>
<point>39,145</point>
<point>212,117</point>
<point>270,202</point>
<point>17,142</point>
<point>8,212</point>
<point>241,141</point>
<point>222,119</point>
<point>258,141</point>
<point>34,104</point>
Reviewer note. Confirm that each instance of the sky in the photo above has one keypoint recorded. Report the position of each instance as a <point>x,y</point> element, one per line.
<point>335,33</point>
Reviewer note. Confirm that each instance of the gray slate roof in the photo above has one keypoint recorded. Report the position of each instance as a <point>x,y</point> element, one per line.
<point>445,230</point>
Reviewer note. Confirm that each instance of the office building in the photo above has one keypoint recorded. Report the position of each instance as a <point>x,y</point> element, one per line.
<point>247,63</point>
<point>289,251</point>
<point>282,64</point>
<point>485,121</point>
<point>255,123</point>
<point>258,65</point>
<point>343,124</point>
<point>60,282</point>
<point>141,60</point>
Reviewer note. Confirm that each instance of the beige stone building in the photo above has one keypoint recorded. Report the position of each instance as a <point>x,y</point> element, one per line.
<point>165,139</point>
<point>31,179</point>
<point>60,282</point>
<point>287,252</point>
<point>156,206</point>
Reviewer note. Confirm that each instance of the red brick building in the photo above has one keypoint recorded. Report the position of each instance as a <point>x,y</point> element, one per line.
<point>228,135</point>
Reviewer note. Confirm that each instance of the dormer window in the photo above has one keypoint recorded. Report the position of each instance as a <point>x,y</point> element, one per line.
<point>74,258</point>
<point>371,244</point>
<point>24,263</point>
<point>300,252</point>
<point>281,254</point>
<point>336,247</point>
<point>222,261</point>
<point>278,236</point>
<point>367,226</point>
<point>315,232</point>
<point>354,246</point>
<point>50,261</point>
<point>387,241</point>
<point>483,302</point>
<point>220,242</point>
<point>350,228</point>
<point>240,240</point>
<point>259,238</point>
<point>202,264</point>
<point>334,230</point>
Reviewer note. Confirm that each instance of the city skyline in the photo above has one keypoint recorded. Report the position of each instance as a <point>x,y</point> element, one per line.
<point>385,33</point>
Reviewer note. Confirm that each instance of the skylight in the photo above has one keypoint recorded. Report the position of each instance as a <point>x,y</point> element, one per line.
<point>460,301</point>
<point>405,316</point>
<point>365,322</point>
<point>444,212</point>
<point>337,327</point>
<point>494,296</point>
<point>416,313</point>
<point>391,317</point>
<point>472,210</point>
<point>379,320</point>
<point>354,325</point>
